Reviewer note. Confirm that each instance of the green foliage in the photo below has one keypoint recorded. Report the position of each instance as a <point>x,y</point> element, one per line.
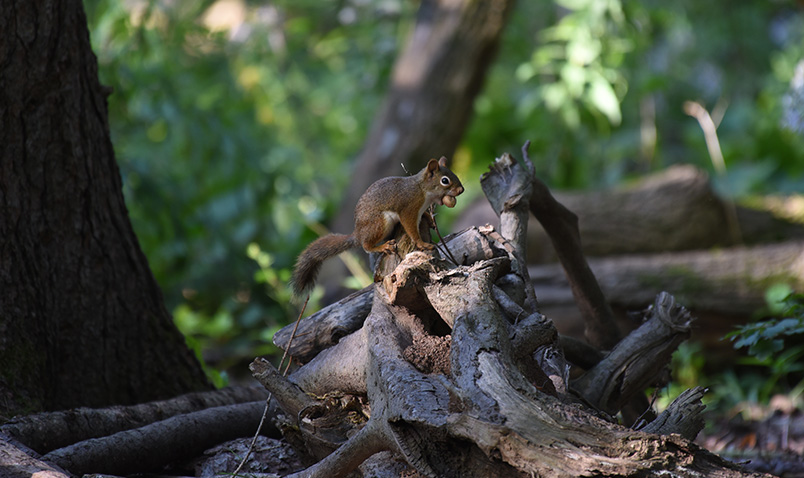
<point>687,371</point>
<point>773,365</point>
<point>765,339</point>
<point>772,362</point>
<point>233,138</point>
<point>230,136</point>
<point>562,66</point>
<point>576,63</point>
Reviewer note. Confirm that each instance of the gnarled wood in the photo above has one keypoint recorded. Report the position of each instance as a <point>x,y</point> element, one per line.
<point>485,400</point>
<point>635,363</point>
<point>496,410</point>
<point>326,327</point>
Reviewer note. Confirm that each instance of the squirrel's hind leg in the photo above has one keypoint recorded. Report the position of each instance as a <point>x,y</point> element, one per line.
<point>373,233</point>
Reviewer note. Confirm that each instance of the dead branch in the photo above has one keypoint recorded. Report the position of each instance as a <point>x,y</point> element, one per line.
<point>292,399</point>
<point>638,360</point>
<point>561,225</point>
<point>327,326</point>
<point>683,416</point>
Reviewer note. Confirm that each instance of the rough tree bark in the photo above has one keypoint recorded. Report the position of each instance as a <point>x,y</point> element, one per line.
<point>492,395</point>
<point>82,320</point>
<point>137,438</point>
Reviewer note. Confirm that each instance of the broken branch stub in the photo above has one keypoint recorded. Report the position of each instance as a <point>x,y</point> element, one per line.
<point>638,360</point>
<point>508,186</point>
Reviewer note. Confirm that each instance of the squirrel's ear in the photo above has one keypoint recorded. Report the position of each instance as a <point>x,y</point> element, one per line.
<point>432,165</point>
<point>443,161</point>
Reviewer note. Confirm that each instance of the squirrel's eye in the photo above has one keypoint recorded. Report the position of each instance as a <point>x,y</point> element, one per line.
<point>445,181</point>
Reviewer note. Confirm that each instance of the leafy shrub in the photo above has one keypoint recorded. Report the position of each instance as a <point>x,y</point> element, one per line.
<point>766,338</point>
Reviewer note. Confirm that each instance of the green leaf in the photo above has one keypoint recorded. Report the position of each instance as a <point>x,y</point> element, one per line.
<point>602,96</point>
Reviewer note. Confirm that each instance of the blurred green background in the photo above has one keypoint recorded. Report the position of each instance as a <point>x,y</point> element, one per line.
<point>235,122</point>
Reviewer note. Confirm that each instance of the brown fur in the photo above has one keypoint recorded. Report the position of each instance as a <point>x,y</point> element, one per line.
<point>310,260</point>
<point>385,203</point>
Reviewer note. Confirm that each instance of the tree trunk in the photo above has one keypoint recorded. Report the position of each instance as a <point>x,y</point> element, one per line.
<point>82,319</point>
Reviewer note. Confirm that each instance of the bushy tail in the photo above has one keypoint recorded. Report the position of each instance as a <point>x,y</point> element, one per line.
<point>309,262</point>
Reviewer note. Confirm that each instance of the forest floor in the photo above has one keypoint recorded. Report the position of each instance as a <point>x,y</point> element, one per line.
<point>767,438</point>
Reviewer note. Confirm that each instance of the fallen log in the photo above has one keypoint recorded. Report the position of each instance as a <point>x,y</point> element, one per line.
<point>730,281</point>
<point>673,210</point>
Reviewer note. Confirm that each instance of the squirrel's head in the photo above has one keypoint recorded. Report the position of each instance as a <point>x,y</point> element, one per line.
<point>442,182</point>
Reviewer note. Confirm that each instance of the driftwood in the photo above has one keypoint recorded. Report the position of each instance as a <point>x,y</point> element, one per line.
<point>491,395</point>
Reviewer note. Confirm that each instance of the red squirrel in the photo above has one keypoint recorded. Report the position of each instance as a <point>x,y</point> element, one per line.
<point>386,203</point>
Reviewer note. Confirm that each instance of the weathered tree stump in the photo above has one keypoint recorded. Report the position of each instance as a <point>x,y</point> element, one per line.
<point>454,372</point>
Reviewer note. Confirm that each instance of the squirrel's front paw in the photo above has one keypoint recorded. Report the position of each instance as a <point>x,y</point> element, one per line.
<point>389,247</point>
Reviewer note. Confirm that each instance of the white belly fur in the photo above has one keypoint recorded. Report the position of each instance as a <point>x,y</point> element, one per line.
<point>391,220</point>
